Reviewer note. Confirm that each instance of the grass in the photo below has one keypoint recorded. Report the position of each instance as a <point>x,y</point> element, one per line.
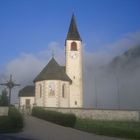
<point>11,123</point>
<point>110,128</point>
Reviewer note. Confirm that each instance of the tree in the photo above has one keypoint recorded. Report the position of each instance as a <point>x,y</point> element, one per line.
<point>4,98</point>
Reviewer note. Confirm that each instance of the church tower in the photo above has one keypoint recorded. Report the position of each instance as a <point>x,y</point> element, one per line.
<point>73,50</point>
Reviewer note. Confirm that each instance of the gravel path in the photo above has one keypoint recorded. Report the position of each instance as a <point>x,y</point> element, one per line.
<point>37,129</point>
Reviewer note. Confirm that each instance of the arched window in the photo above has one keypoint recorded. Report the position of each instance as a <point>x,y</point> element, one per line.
<point>51,89</point>
<point>63,91</point>
<point>73,46</point>
<point>40,90</point>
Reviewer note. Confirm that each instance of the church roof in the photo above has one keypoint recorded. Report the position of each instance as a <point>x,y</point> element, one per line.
<point>73,33</point>
<point>28,91</point>
<point>53,71</point>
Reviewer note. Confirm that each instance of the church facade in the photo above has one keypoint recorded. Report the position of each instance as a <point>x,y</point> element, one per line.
<point>62,86</point>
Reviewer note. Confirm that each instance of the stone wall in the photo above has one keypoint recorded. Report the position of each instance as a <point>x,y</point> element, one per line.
<point>4,111</point>
<point>119,115</point>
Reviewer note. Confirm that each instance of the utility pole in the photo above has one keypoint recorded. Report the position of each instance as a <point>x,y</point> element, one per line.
<point>10,85</point>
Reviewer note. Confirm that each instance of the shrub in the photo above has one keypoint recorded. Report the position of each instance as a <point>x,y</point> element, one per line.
<point>4,98</point>
<point>5,124</point>
<point>55,117</point>
<point>16,117</point>
<point>11,123</point>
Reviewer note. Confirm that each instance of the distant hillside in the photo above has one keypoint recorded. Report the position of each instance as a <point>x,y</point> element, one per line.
<point>129,59</point>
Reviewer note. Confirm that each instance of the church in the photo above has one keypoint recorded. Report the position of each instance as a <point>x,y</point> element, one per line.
<point>62,86</point>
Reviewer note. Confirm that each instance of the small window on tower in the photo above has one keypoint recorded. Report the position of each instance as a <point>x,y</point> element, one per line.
<point>73,46</point>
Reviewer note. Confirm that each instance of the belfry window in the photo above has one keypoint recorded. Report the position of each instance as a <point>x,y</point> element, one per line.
<point>73,46</point>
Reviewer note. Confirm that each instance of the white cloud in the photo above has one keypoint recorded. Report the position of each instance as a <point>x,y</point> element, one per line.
<point>26,67</point>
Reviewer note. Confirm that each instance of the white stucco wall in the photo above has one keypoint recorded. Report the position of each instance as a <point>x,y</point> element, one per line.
<point>119,115</point>
<point>74,71</point>
<point>38,97</point>
<point>51,101</point>
<point>22,101</point>
<point>64,101</point>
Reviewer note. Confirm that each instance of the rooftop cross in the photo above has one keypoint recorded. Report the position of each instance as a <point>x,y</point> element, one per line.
<point>52,53</point>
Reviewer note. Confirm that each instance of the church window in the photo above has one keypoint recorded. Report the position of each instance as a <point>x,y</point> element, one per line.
<point>75,102</point>
<point>40,90</point>
<point>73,46</point>
<point>63,90</point>
<point>51,89</point>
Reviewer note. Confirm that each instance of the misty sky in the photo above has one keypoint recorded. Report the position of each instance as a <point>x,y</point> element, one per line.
<point>31,29</point>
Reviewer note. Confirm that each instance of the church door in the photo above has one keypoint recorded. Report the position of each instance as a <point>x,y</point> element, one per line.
<point>27,103</point>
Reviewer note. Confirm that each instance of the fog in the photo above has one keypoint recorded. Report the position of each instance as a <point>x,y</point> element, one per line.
<point>112,82</point>
<point>108,84</point>
<point>112,87</point>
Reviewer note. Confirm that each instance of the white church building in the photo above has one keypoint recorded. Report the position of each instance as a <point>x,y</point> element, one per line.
<point>62,86</point>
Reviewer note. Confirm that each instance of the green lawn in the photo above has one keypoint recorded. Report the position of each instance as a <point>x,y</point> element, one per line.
<point>110,128</point>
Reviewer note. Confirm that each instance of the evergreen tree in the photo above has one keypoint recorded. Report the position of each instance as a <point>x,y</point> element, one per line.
<point>4,98</point>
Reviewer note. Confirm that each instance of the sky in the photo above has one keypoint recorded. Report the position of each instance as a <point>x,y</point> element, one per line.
<point>31,29</point>
<point>28,26</point>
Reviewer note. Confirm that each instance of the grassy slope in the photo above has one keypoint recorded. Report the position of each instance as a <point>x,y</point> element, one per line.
<point>110,128</point>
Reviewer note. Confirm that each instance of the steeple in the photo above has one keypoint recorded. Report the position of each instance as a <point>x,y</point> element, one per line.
<point>73,33</point>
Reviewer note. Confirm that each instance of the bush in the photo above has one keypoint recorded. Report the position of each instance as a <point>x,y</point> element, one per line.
<point>4,98</point>
<point>16,118</point>
<point>5,124</point>
<point>11,123</point>
<point>55,117</point>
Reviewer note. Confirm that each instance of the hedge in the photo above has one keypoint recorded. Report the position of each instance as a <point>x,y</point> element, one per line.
<point>55,117</point>
<point>11,123</point>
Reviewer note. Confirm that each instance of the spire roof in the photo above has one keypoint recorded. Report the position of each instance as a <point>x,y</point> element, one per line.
<point>53,71</point>
<point>73,33</point>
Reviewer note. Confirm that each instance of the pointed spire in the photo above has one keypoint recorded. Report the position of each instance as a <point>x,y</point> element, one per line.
<point>73,33</point>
